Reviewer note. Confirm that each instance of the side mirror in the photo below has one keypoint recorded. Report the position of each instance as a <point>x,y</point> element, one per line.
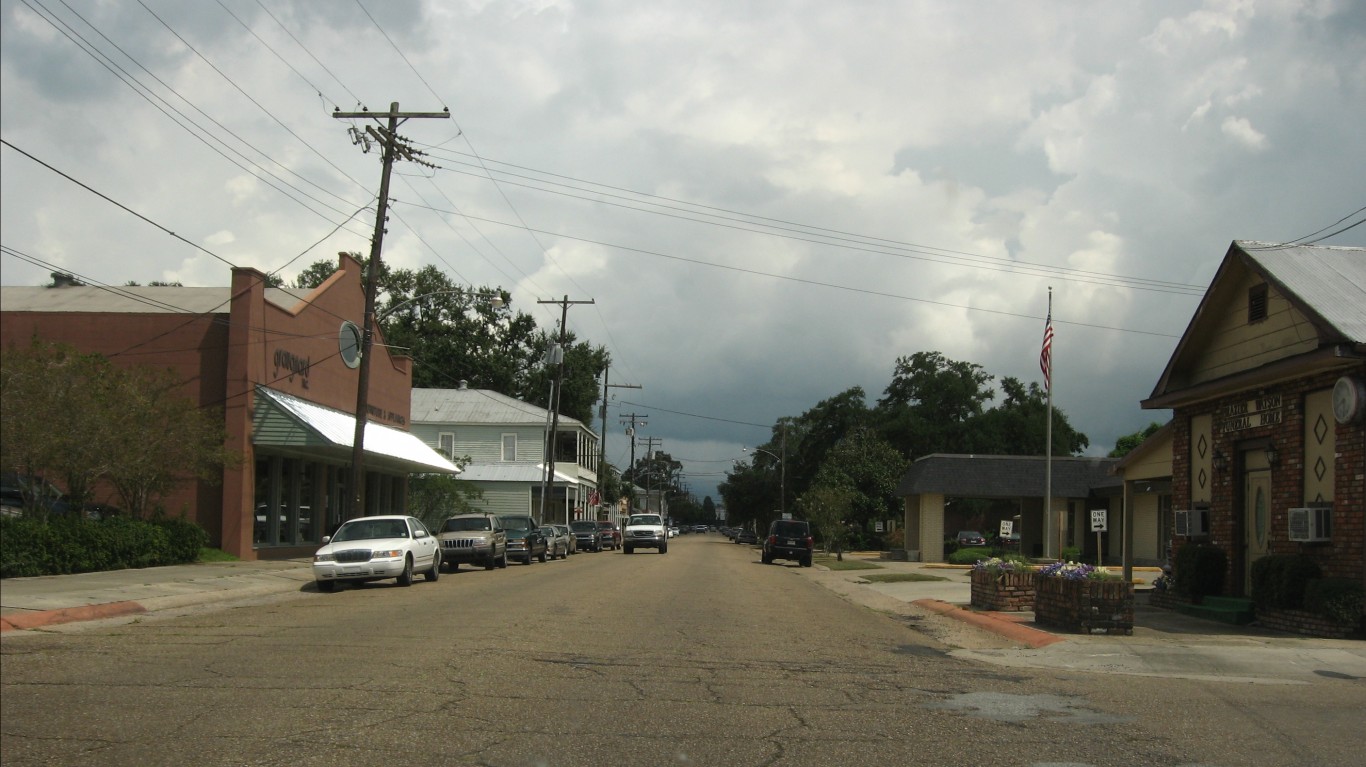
<point>419,533</point>
<point>327,539</point>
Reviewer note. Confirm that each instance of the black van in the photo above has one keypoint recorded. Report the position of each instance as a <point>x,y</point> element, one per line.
<point>789,539</point>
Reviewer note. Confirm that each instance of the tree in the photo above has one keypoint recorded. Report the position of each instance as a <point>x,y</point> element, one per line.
<point>1124,445</point>
<point>433,498</point>
<point>828,508</point>
<point>1017,425</point>
<point>930,399</point>
<point>869,468</point>
<point>77,418</point>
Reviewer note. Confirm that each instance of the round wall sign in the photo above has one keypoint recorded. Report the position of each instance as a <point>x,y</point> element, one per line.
<point>1349,399</point>
<point>349,341</point>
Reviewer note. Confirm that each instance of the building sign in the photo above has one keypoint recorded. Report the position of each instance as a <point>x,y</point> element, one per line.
<point>288,365</point>
<point>1099,518</point>
<point>1263,411</point>
<point>386,415</point>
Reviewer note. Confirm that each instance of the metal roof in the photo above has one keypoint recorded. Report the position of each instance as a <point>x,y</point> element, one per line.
<point>1328,281</point>
<point>1007,476</point>
<point>339,428</point>
<point>533,473</point>
<point>478,406</point>
<point>132,300</point>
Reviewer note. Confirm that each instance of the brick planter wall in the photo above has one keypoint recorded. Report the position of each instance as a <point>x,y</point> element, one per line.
<point>1301,622</point>
<point>1006,592</point>
<point>1167,599</point>
<point>1084,605</point>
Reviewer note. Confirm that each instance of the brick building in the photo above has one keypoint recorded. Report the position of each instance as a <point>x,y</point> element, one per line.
<point>282,365</point>
<point>1268,388</point>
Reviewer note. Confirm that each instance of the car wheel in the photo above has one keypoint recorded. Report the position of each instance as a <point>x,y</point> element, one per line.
<point>490,562</point>
<point>528,558</point>
<point>628,550</point>
<point>455,567</point>
<point>435,572</point>
<point>327,587</point>
<point>806,561</point>
<point>766,559</point>
<point>406,577</point>
<point>542,558</point>
<point>664,548</point>
<point>503,561</point>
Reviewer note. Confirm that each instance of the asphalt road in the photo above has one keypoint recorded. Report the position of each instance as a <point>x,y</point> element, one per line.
<point>700,656</point>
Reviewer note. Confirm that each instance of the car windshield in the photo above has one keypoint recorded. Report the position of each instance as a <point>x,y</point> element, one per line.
<point>788,527</point>
<point>517,524</point>
<point>467,524</point>
<point>370,529</point>
<point>645,519</point>
<point>548,531</point>
<point>584,527</point>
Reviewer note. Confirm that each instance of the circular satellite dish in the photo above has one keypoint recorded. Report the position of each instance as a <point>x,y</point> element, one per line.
<point>349,341</point>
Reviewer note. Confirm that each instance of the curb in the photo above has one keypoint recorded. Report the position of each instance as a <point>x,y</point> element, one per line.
<point>24,621</point>
<point>1031,637</point>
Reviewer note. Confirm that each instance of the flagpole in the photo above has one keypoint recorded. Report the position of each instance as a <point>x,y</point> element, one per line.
<point>1046,359</point>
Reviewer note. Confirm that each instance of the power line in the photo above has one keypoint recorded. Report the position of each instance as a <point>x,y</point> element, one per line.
<point>818,283</point>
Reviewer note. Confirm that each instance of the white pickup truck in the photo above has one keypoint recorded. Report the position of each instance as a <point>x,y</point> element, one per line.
<point>645,531</point>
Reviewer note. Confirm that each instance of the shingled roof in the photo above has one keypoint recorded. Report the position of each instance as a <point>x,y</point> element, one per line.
<point>1008,476</point>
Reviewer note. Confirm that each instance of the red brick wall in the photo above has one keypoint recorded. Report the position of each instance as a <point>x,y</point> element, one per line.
<point>1345,555</point>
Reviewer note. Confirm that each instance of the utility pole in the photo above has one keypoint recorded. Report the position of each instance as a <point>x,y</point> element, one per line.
<point>602,413</point>
<point>555,402</point>
<point>650,443</point>
<point>391,145</point>
<point>631,423</point>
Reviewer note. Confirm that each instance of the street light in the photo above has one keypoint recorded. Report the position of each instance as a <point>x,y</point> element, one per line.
<point>372,320</point>
<point>782,477</point>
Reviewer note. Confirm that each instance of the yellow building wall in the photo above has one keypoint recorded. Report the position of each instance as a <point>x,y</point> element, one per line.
<point>1234,345</point>
<point>1146,544</point>
<point>1320,446</point>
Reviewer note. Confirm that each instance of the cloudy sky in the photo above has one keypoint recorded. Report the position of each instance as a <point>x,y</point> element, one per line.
<point>769,202</point>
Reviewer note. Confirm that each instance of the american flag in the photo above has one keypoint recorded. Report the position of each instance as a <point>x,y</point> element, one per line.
<point>1046,354</point>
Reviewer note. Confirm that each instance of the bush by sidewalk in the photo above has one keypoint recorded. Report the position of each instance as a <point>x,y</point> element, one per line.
<point>72,544</point>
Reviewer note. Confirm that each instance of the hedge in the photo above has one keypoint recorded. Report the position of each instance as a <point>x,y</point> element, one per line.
<point>72,544</point>
<point>1199,570</point>
<point>1279,580</point>
<point>969,556</point>
<point>1339,599</point>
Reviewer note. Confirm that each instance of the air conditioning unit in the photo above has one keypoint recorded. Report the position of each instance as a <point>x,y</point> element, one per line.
<point>1192,523</point>
<point>1311,525</point>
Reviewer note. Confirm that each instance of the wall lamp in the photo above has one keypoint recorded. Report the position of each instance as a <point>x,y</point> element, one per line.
<point>1273,456</point>
<point>1220,461</point>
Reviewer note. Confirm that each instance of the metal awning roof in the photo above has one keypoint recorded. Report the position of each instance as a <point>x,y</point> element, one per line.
<point>283,420</point>
<point>532,473</point>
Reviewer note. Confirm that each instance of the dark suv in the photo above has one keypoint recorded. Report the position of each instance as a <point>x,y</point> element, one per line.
<point>789,539</point>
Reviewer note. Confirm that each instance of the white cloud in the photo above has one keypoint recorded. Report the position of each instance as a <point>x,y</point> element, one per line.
<point>1241,131</point>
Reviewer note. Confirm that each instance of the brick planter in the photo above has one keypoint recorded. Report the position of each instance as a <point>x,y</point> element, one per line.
<point>1301,622</point>
<point>1004,592</point>
<point>1084,605</point>
<point>1167,599</point>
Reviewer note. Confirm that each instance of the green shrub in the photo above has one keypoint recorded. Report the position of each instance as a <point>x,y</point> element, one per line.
<point>71,544</point>
<point>184,539</point>
<point>1338,599</point>
<point>969,556</point>
<point>1199,570</point>
<point>1279,580</point>
<point>1071,553</point>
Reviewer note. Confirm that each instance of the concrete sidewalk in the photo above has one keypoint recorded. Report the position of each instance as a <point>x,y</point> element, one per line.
<point>29,603</point>
<point>1163,643</point>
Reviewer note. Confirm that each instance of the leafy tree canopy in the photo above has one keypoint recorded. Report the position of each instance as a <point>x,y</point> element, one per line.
<point>1124,445</point>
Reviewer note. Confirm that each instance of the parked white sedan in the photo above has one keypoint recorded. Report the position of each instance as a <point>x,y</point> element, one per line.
<point>375,548</point>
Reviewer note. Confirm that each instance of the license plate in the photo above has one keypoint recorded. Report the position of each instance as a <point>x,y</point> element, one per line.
<point>792,541</point>
<point>350,570</point>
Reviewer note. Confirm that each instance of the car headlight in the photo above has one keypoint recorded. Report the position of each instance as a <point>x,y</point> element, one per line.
<point>324,558</point>
<point>389,554</point>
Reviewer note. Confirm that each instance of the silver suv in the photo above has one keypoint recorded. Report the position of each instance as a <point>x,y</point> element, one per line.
<point>474,539</point>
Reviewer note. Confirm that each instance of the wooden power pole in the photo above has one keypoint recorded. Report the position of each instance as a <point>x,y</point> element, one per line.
<point>389,141</point>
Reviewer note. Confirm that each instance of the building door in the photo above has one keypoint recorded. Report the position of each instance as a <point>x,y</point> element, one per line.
<point>1256,520</point>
